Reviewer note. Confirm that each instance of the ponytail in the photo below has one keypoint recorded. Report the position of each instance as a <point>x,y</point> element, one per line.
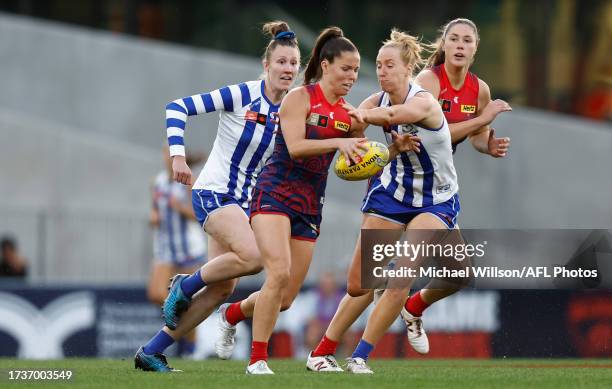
<point>330,43</point>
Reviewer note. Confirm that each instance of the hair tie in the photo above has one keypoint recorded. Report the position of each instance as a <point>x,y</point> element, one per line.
<point>284,35</point>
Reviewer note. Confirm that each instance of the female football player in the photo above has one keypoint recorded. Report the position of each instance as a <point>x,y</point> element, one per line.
<point>474,127</point>
<point>288,197</point>
<point>178,243</point>
<point>222,192</point>
<point>466,102</point>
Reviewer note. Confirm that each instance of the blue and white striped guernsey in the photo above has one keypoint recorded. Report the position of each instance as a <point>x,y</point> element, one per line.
<point>177,240</point>
<point>245,136</point>
<point>425,178</point>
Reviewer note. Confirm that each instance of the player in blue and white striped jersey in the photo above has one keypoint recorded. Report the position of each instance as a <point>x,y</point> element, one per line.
<point>178,243</point>
<point>417,190</point>
<point>221,194</point>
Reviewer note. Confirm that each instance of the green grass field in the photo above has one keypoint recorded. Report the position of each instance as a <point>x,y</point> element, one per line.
<point>518,373</point>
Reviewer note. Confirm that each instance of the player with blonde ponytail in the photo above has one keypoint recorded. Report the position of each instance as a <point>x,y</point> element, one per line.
<point>403,196</point>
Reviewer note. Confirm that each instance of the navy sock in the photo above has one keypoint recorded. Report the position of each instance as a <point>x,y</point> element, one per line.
<point>192,284</point>
<point>362,350</point>
<point>158,343</point>
<point>186,347</point>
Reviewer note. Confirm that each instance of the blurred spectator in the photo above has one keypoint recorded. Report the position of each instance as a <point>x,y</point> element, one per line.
<point>11,263</point>
<point>327,297</point>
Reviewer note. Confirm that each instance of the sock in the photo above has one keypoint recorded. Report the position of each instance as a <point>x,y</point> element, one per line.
<point>233,314</point>
<point>325,347</point>
<point>415,305</point>
<point>158,343</point>
<point>259,352</point>
<point>192,284</point>
<point>362,350</point>
<point>186,347</point>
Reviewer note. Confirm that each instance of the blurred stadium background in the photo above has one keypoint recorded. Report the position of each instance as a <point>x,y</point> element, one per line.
<point>83,87</point>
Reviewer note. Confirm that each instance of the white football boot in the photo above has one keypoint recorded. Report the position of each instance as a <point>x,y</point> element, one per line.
<point>226,340</point>
<point>259,367</point>
<point>378,294</point>
<point>357,366</point>
<point>417,337</point>
<point>324,363</point>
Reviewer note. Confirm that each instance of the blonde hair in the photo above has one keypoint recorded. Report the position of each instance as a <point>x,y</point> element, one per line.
<point>409,46</point>
<point>437,48</point>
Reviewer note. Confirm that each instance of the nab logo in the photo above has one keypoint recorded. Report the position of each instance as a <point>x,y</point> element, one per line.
<point>41,332</point>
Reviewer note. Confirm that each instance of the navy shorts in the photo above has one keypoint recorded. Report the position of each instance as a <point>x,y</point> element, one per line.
<point>205,202</point>
<point>379,202</point>
<point>303,226</point>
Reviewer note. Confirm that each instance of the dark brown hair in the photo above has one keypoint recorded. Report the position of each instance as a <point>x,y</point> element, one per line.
<point>330,43</point>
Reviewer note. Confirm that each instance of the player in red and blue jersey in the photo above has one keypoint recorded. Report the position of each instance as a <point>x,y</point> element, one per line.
<point>289,194</point>
<point>466,104</point>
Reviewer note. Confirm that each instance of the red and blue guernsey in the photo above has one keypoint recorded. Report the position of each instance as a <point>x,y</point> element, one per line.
<point>300,183</point>
<point>461,104</point>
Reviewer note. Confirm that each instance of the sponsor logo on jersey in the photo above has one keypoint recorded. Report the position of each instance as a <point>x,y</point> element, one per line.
<point>456,99</point>
<point>446,105</point>
<point>316,119</point>
<point>408,129</point>
<point>259,118</point>
<point>443,188</point>
<point>468,108</point>
<point>342,126</point>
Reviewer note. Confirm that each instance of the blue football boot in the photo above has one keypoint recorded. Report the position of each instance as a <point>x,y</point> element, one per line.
<point>156,362</point>
<point>176,303</point>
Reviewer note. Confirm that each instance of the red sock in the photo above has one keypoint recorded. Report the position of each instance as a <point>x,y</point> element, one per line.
<point>259,352</point>
<point>233,314</point>
<point>415,305</point>
<point>325,347</point>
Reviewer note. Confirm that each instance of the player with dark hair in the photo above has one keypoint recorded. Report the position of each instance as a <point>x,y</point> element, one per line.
<point>288,197</point>
<point>222,193</point>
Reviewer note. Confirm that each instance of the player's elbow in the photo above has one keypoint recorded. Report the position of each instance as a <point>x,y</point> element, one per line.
<point>294,151</point>
<point>175,105</point>
<point>387,118</point>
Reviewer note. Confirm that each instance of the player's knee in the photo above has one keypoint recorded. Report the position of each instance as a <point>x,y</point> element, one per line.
<point>353,288</point>
<point>396,295</point>
<point>277,278</point>
<point>252,254</point>
<point>253,268</point>
<point>286,302</point>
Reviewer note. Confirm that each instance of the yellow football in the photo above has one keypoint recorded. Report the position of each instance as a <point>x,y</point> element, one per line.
<point>371,162</point>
